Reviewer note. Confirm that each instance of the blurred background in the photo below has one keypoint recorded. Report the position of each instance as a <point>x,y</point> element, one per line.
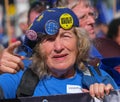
<point>14,12</point>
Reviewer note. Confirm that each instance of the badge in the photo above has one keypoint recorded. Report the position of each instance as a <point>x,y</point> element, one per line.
<point>31,35</point>
<point>66,21</point>
<point>74,89</point>
<point>51,27</point>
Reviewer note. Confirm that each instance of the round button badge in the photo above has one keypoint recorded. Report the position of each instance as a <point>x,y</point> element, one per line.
<point>31,35</point>
<point>66,21</point>
<point>51,27</point>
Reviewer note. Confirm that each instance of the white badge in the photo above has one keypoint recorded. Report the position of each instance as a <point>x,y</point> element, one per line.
<point>74,89</point>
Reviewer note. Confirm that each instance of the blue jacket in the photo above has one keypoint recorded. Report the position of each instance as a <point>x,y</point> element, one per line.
<point>9,83</point>
<point>110,65</point>
<point>94,53</point>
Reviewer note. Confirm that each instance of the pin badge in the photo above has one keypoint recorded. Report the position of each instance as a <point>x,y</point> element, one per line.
<point>66,21</point>
<point>31,35</point>
<point>51,27</point>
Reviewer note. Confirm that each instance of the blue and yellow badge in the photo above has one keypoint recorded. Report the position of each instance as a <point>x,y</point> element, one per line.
<point>66,21</point>
<point>51,27</point>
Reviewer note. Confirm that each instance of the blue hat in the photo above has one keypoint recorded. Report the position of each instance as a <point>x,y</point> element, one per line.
<point>49,22</point>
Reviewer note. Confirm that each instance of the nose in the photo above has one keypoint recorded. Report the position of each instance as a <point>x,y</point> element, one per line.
<point>58,46</point>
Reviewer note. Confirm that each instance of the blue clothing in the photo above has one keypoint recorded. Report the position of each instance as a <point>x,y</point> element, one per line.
<point>94,53</point>
<point>44,87</point>
<point>11,81</point>
<point>53,86</point>
<point>48,86</point>
<point>110,65</point>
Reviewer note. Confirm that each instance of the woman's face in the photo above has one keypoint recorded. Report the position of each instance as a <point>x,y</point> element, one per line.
<point>60,51</point>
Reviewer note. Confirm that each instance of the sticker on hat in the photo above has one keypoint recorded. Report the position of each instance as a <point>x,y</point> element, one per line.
<point>51,27</point>
<point>66,21</point>
<point>31,35</point>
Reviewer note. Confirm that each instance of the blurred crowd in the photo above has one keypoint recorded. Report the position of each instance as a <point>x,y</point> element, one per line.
<point>14,22</point>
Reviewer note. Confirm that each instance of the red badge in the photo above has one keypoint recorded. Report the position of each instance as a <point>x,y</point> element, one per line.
<point>31,35</point>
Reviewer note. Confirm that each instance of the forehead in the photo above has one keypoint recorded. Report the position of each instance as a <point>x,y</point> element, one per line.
<point>63,30</point>
<point>82,7</point>
<point>85,2</point>
<point>33,15</point>
<point>82,4</point>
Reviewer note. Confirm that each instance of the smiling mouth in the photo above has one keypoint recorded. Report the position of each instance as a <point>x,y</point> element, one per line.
<point>60,56</point>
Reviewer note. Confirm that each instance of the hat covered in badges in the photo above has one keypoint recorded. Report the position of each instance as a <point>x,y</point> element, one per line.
<point>49,22</point>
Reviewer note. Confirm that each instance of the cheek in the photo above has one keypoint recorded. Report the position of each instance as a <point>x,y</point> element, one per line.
<point>83,24</point>
<point>46,49</point>
<point>72,46</point>
<point>73,53</point>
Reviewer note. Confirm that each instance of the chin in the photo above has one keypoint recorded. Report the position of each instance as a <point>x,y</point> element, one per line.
<point>92,36</point>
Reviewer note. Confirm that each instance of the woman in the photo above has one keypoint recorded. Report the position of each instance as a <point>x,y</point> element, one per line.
<point>60,57</point>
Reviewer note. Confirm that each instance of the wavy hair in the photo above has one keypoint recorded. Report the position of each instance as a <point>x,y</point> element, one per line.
<point>83,44</point>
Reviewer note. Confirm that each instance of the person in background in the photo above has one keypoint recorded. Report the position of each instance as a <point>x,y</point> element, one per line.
<point>3,38</point>
<point>35,9</point>
<point>114,30</point>
<point>84,11</point>
<point>63,62</point>
<point>22,22</point>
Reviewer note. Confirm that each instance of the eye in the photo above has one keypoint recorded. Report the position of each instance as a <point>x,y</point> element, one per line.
<point>67,35</point>
<point>82,17</point>
<point>93,14</point>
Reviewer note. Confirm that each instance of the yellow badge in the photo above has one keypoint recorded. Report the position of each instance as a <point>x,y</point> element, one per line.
<point>66,21</point>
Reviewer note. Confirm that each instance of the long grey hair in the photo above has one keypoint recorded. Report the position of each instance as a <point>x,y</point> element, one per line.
<point>83,43</point>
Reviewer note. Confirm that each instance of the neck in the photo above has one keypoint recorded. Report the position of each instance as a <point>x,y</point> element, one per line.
<point>66,74</point>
